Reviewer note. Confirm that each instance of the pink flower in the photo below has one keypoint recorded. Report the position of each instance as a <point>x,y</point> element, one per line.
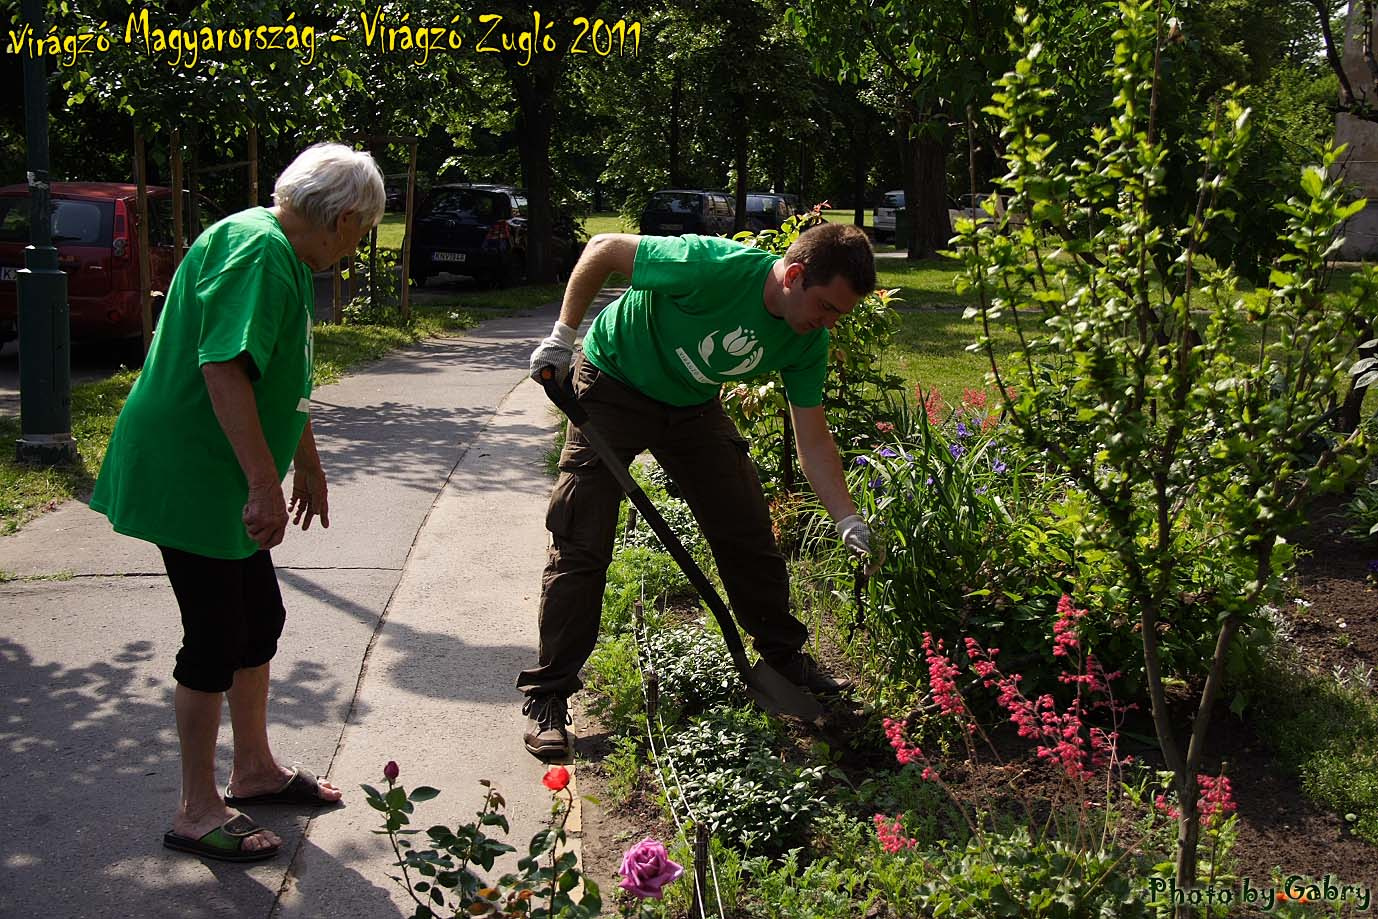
<point>1217,798</point>
<point>932,404</point>
<point>646,869</point>
<point>885,427</point>
<point>891,834</point>
<point>556,778</point>
<point>390,771</point>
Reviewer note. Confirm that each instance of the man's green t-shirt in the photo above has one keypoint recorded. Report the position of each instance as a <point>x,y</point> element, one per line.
<point>170,475</point>
<point>695,318</point>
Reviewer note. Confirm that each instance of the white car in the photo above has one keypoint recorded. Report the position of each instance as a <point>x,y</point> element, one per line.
<point>884,221</point>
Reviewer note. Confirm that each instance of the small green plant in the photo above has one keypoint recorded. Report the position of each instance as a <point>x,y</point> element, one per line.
<point>727,775</point>
<point>449,884</point>
<point>622,766</point>
<point>613,680</point>
<point>1321,728</point>
<point>1362,511</point>
<point>693,667</point>
<point>639,572</point>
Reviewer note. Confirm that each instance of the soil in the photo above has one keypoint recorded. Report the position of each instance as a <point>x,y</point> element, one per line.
<point>1280,831</point>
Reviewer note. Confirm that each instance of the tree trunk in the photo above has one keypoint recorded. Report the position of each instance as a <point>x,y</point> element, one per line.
<point>535,87</point>
<point>741,143</point>
<point>861,162</point>
<point>676,92</point>
<point>930,227</point>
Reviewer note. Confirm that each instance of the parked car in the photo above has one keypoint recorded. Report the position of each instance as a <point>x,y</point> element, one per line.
<point>973,206</point>
<point>766,212</point>
<point>479,231</point>
<point>884,219</point>
<point>95,229</point>
<point>395,191</point>
<point>678,210</point>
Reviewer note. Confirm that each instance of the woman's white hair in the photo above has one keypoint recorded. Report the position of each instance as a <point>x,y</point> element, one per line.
<point>326,180</point>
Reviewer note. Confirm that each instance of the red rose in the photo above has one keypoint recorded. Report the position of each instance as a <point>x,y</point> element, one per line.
<point>556,779</point>
<point>390,771</point>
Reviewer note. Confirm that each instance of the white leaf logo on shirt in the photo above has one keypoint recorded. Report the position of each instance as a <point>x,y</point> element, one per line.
<point>736,343</point>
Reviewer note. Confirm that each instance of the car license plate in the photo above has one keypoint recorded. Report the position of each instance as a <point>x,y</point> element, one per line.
<point>671,227</point>
<point>6,273</point>
<point>449,256</point>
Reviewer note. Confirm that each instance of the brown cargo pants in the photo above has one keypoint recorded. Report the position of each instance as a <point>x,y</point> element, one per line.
<point>702,451</point>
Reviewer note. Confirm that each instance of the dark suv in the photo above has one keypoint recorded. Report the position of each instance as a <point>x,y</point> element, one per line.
<point>96,233</point>
<point>479,231</point>
<point>678,210</point>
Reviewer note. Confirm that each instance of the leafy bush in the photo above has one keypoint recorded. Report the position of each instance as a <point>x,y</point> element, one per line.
<point>1011,876</point>
<point>1138,373</point>
<point>945,493</point>
<point>1362,510</point>
<point>693,667</point>
<point>614,681</point>
<point>637,572</point>
<point>726,773</point>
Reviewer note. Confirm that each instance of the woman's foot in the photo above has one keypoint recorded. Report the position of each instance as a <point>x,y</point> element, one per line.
<point>194,825</point>
<point>287,786</point>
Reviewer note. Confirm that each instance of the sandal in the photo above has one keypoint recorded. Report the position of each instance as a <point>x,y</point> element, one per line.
<point>302,788</point>
<point>224,843</point>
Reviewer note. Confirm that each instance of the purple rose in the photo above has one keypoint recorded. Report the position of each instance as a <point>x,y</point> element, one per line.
<point>390,771</point>
<point>646,869</point>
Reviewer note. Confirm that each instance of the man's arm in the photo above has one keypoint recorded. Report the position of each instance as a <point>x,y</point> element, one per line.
<point>820,462</point>
<point>604,254</point>
<point>232,398</point>
<point>819,459</point>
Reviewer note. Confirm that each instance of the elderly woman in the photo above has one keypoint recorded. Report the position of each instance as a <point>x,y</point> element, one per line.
<point>196,465</point>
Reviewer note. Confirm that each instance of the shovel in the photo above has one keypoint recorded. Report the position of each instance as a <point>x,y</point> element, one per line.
<point>764,684</point>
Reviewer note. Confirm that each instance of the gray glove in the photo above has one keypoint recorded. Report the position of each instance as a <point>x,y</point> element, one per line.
<point>555,350</point>
<point>856,535</point>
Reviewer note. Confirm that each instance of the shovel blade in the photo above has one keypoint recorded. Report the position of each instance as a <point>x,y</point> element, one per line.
<point>777,695</point>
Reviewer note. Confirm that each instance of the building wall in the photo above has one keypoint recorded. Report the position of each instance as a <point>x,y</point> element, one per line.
<point>1361,159</point>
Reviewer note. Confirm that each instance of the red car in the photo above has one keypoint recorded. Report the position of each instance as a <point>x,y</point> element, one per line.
<point>95,230</point>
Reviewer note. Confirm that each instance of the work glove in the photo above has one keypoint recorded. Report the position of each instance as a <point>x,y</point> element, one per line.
<point>555,350</point>
<point>856,535</point>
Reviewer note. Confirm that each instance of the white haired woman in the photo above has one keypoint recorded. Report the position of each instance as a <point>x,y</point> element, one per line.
<point>196,464</point>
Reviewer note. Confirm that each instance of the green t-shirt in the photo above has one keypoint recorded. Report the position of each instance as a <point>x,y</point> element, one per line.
<point>695,318</point>
<point>170,475</point>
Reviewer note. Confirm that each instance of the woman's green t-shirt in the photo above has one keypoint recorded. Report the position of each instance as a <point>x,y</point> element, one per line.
<point>170,475</point>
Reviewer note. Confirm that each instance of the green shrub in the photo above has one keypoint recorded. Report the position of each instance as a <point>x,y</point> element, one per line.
<point>1323,730</point>
<point>727,775</point>
<point>642,571</point>
<point>1012,877</point>
<point>612,678</point>
<point>694,668</point>
<point>1362,510</point>
<point>824,889</point>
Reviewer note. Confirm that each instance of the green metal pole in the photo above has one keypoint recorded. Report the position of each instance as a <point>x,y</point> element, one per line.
<point>45,361</point>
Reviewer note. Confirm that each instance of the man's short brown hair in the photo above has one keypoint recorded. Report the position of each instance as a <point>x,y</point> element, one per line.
<point>834,249</point>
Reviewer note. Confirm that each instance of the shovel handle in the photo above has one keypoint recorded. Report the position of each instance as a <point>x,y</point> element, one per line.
<point>565,399</point>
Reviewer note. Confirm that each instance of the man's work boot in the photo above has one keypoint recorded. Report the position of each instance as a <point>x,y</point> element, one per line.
<point>546,737</point>
<point>802,670</point>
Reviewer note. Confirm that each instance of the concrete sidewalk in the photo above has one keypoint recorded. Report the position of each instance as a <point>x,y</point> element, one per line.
<point>408,621</point>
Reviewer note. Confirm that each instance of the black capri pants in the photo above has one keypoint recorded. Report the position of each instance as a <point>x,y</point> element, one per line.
<point>232,615</point>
